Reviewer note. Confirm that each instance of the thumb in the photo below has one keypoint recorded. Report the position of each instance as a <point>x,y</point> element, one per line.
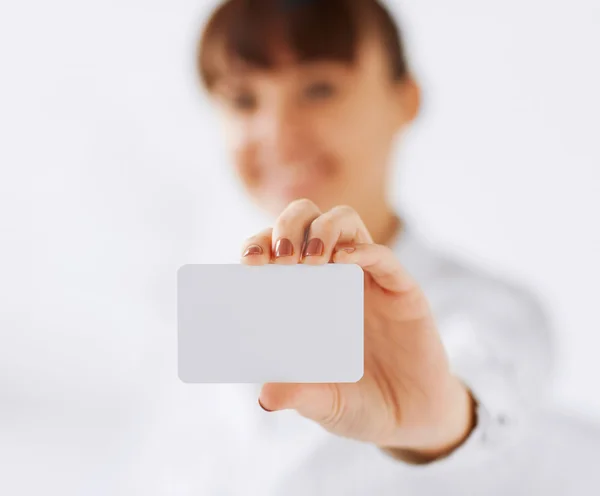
<point>318,402</point>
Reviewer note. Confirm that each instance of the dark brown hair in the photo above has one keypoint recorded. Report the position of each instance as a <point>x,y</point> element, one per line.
<point>253,32</point>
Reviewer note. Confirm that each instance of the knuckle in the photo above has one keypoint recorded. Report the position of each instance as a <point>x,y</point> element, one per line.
<point>300,208</point>
<point>285,222</point>
<point>323,223</point>
<point>344,211</point>
<point>296,211</point>
<point>302,204</point>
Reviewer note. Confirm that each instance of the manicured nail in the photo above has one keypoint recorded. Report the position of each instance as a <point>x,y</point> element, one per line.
<point>284,248</point>
<point>314,248</point>
<point>349,249</point>
<point>261,405</point>
<point>253,250</point>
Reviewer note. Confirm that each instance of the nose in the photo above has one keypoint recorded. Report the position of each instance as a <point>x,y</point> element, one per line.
<point>282,134</point>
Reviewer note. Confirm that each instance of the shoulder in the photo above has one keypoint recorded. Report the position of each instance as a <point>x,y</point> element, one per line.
<point>459,284</point>
<point>481,313</point>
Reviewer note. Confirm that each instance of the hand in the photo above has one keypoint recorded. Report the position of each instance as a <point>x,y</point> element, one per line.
<point>407,402</point>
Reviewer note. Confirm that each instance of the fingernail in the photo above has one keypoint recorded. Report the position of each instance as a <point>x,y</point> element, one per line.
<point>284,248</point>
<point>349,249</point>
<point>314,248</point>
<point>253,250</point>
<point>261,405</point>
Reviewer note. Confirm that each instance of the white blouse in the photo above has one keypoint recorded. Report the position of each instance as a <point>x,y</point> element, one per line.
<point>159,436</point>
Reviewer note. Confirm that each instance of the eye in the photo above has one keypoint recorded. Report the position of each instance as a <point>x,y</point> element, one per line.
<point>244,101</point>
<point>319,90</point>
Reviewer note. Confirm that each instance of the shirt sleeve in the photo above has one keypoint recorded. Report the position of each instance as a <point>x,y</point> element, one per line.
<point>499,342</point>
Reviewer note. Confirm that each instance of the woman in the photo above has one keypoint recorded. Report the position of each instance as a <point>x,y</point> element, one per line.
<point>313,96</point>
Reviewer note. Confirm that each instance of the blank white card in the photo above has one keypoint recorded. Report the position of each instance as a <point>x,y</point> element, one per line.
<point>273,323</point>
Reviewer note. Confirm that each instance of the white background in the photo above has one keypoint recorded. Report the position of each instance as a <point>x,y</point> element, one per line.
<point>113,174</point>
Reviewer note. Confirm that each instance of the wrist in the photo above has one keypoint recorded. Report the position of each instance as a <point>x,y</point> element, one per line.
<point>457,420</point>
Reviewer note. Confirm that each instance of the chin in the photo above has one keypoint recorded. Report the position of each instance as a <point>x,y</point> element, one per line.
<point>275,201</point>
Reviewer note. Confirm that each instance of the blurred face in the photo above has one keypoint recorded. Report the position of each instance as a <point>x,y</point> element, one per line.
<point>321,130</point>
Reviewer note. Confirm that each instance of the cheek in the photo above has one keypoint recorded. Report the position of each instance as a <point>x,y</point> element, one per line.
<point>242,150</point>
<point>337,133</point>
<point>353,142</point>
<point>244,160</point>
<point>368,138</point>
